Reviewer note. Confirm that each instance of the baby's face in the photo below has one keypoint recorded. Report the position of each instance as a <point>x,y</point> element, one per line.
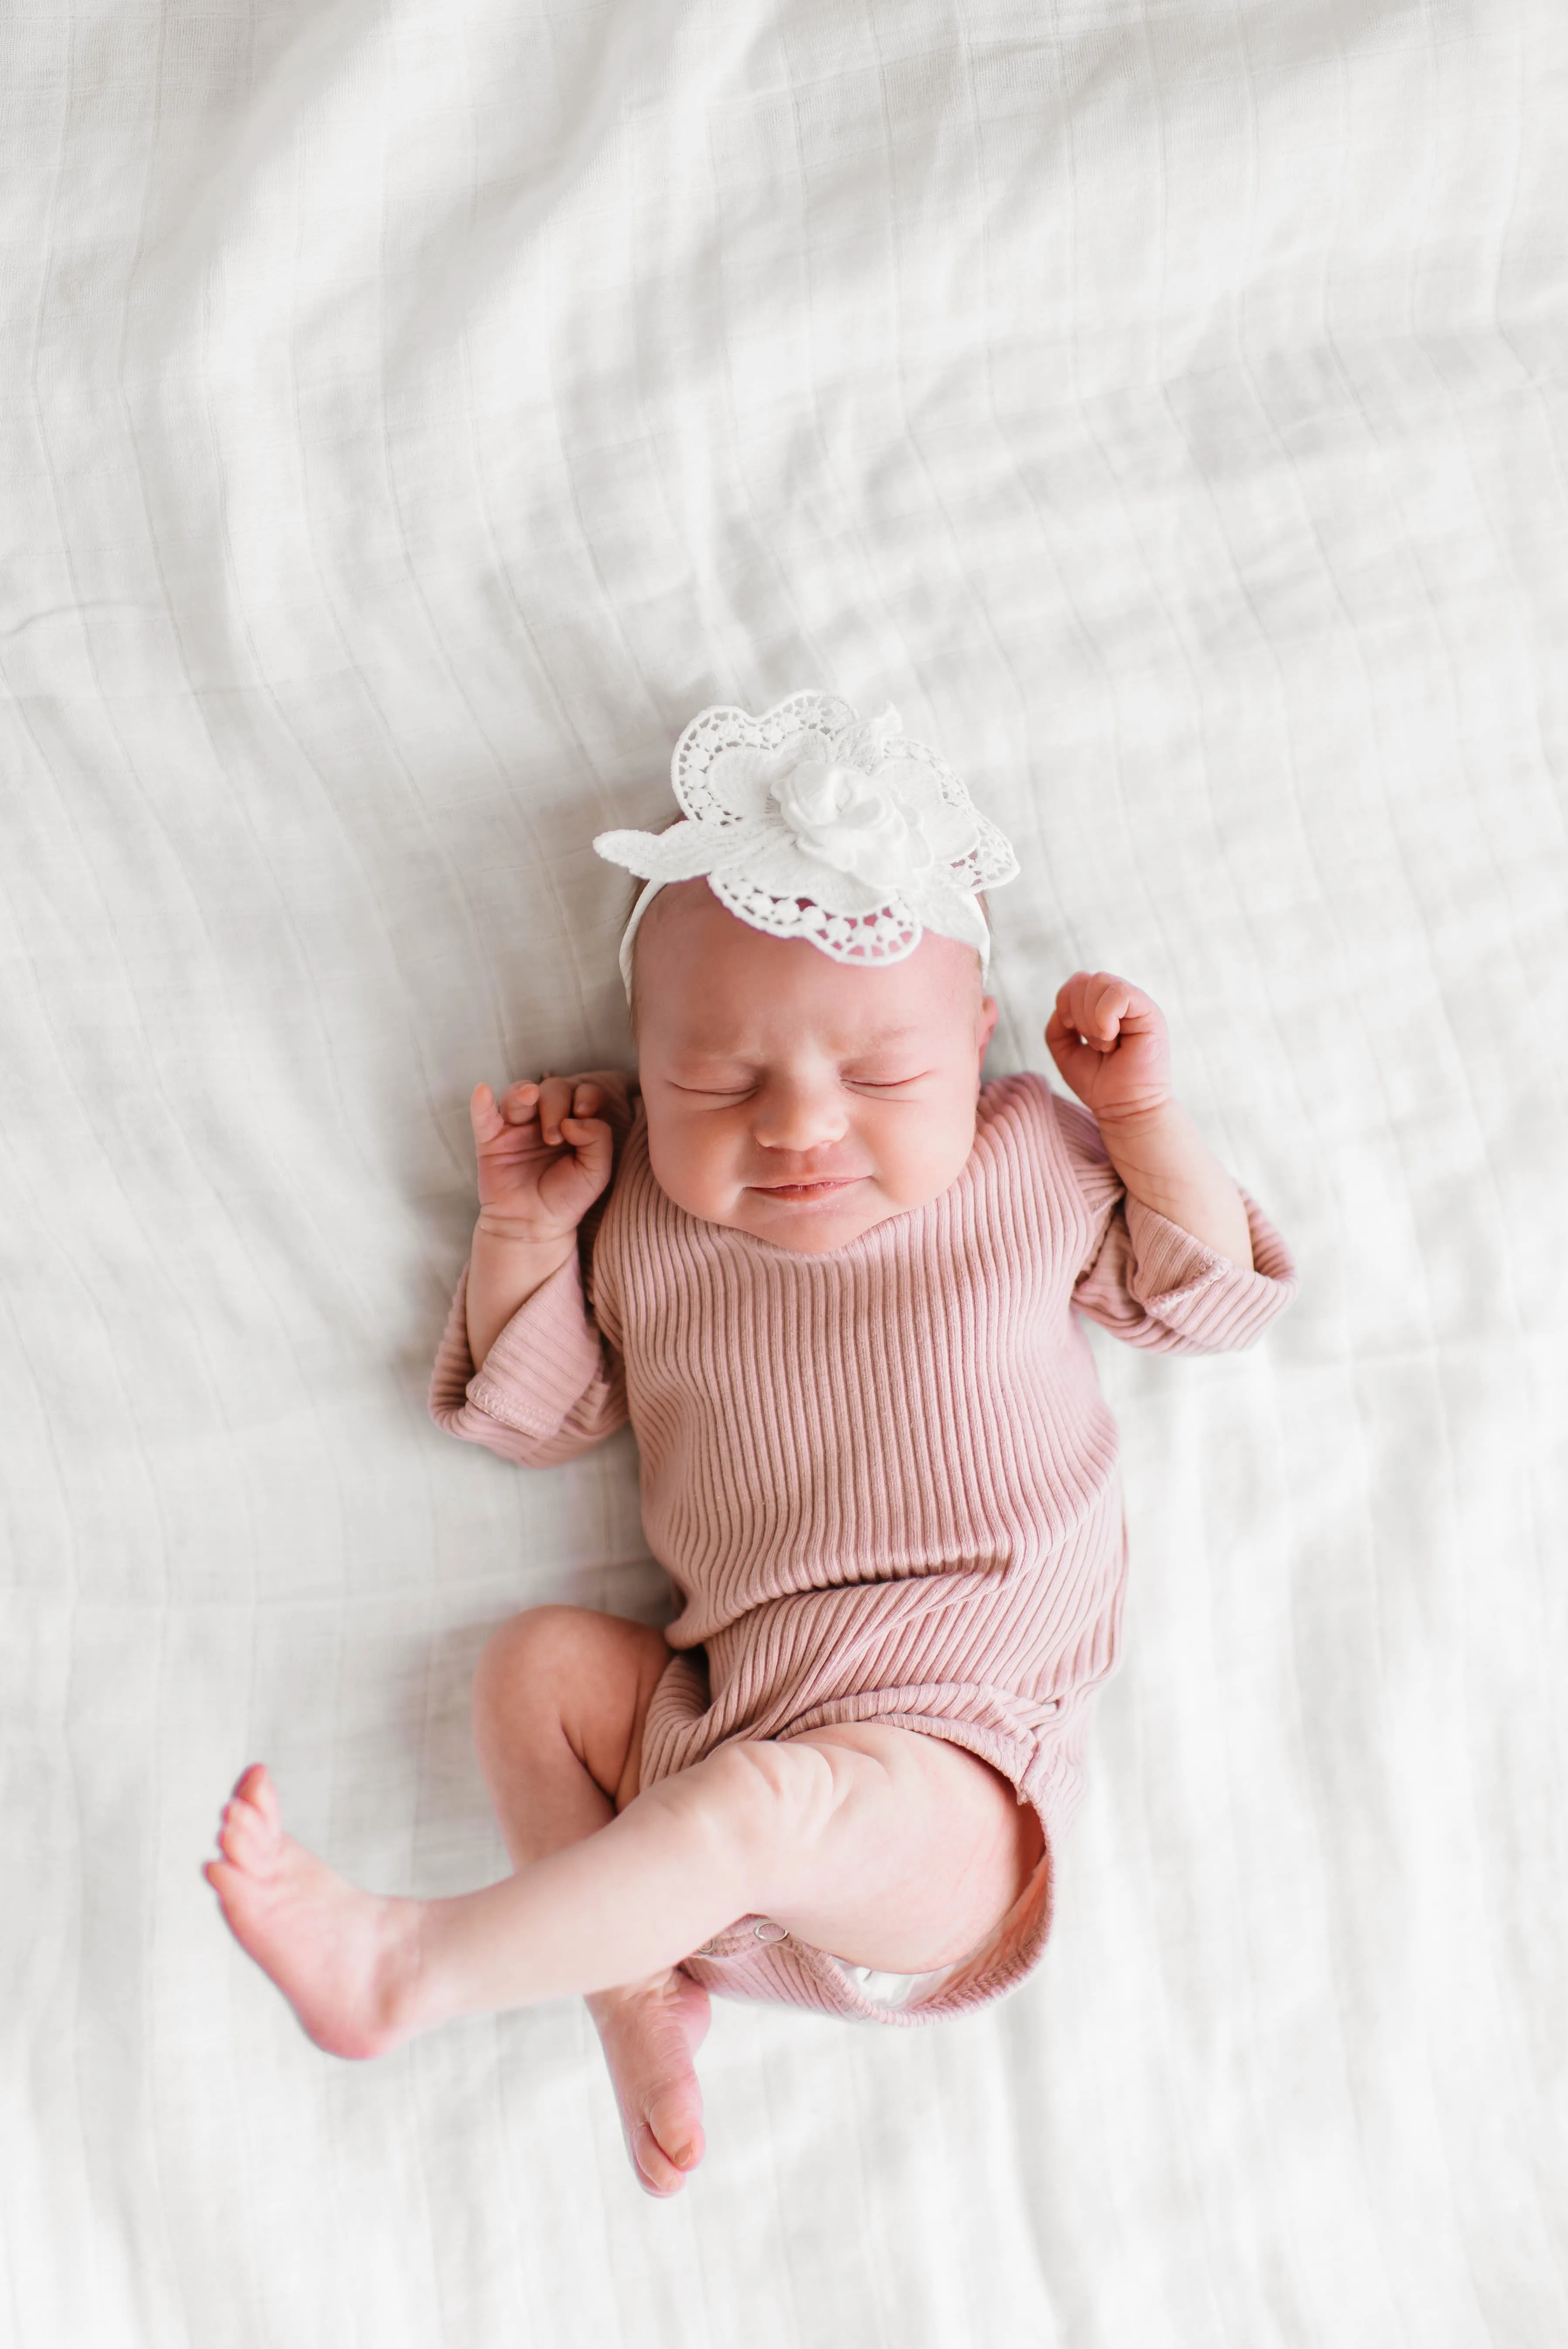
<point>797,1098</point>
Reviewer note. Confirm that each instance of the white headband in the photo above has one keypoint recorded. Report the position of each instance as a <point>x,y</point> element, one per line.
<point>808,823</point>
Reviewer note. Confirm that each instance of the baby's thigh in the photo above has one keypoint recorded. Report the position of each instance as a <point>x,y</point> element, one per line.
<point>949,1849</point>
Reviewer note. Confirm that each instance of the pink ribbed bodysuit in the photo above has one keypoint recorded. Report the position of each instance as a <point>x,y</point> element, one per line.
<point>883,1479</point>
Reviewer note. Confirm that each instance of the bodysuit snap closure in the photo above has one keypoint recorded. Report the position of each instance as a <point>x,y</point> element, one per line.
<point>767,1931</point>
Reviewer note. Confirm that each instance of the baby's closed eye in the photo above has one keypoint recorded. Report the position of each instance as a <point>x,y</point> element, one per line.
<point>886,1077</point>
<point>736,1090</point>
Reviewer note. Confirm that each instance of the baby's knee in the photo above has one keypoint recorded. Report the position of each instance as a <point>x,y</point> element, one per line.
<point>530,1652</point>
<point>555,1665</point>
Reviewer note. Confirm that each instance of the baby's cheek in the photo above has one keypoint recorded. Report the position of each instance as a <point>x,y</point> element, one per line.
<point>920,1155</point>
<point>695,1165</point>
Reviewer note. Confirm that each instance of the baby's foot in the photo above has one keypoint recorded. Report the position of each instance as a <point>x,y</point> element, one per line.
<point>346,1960</point>
<point>650,2034</point>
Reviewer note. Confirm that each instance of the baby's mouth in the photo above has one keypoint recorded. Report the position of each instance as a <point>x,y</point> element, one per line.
<point>819,1187</point>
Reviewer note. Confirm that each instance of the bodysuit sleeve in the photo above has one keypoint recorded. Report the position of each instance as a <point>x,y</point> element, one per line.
<point>1147,1281</point>
<point>552,1385</point>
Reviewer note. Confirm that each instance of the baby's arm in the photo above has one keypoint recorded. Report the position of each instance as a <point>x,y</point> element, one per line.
<point>1110,1041</point>
<point>545,1152</point>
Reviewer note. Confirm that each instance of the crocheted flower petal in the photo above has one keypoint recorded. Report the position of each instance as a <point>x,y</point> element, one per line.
<point>727,761</point>
<point>886,934</point>
<point>949,911</point>
<point>911,778</point>
<point>740,777</point>
<point>683,852</point>
<point>948,818</point>
<point>952,832</point>
<point>678,854</point>
<point>779,867</point>
<point>991,861</point>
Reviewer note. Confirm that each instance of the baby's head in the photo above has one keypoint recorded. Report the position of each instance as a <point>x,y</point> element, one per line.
<point>794,1097</point>
<point>807,971</point>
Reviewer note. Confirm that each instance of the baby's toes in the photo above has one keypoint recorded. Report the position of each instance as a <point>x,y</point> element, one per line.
<point>656,2171</point>
<point>246,1836</point>
<point>241,1838</point>
<point>675,2129</point>
<point>256,1787</point>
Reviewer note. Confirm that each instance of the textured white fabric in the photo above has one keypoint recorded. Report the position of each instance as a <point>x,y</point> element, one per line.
<point>410,414</point>
<point>811,823</point>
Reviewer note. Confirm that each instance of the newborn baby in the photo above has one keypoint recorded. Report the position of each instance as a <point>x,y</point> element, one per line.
<point>834,1284</point>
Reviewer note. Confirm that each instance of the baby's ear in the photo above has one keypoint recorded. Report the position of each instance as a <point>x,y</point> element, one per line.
<point>985,1027</point>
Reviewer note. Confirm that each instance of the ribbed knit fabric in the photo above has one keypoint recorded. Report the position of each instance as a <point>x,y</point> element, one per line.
<point>883,1479</point>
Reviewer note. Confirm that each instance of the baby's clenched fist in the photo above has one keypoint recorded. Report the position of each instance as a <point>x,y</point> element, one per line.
<point>545,1151</point>
<point>1110,1041</point>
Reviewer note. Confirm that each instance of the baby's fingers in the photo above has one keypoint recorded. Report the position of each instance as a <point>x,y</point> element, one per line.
<point>574,1181</point>
<point>1097,1006</point>
<point>554,1103</point>
<point>485,1115</point>
<point>520,1102</point>
<point>562,1099</point>
<point>1065,1037</point>
<point>1081,1014</point>
<point>494,1117</point>
<point>1104,1006</point>
<point>591,1144</point>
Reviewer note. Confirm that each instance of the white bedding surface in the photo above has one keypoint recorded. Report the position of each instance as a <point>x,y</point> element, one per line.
<point>411,413</point>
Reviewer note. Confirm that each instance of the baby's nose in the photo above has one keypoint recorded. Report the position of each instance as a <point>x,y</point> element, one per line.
<point>797,1117</point>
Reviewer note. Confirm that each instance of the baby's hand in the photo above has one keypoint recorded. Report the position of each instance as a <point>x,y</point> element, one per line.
<point>545,1152</point>
<point>1110,1041</point>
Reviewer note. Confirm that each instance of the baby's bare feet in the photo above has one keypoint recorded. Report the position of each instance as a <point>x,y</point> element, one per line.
<point>346,1960</point>
<point>650,2034</point>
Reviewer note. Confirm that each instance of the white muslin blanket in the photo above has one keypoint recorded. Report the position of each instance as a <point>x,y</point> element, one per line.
<point>410,412</point>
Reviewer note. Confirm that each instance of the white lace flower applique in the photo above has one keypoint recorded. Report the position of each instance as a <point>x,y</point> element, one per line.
<point>810,822</point>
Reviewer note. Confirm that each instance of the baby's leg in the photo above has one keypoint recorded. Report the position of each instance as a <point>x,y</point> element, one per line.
<point>560,1696</point>
<point>890,1848</point>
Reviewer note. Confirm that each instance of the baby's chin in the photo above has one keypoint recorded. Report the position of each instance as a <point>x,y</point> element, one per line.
<point>810,1219</point>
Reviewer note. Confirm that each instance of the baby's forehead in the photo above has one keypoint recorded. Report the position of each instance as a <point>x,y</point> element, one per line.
<point>709,1026</point>
<point>720,984</point>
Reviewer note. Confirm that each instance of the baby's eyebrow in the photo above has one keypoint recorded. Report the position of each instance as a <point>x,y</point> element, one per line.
<point>886,1040</point>
<point>737,1054</point>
